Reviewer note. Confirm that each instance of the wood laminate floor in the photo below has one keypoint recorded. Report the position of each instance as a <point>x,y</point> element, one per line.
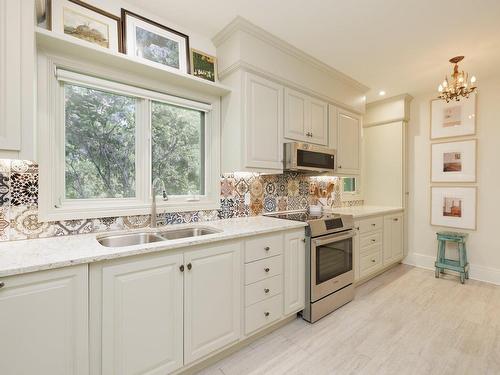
<point>402,322</point>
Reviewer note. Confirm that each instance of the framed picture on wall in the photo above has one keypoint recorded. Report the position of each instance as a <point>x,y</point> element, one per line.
<point>154,43</point>
<point>454,207</point>
<point>86,22</point>
<point>453,119</point>
<point>203,65</point>
<point>454,161</point>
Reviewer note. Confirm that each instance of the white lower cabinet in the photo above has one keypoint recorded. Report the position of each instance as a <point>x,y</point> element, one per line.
<point>211,299</point>
<point>294,272</point>
<point>44,322</point>
<point>393,238</point>
<point>141,326</point>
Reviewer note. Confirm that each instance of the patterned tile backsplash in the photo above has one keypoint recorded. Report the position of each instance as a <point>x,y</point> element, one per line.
<point>241,195</point>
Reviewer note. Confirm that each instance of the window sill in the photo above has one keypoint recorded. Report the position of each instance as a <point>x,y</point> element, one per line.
<point>70,213</point>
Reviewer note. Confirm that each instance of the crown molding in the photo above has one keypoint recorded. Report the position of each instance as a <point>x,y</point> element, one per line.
<point>242,24</point>
<point>406,97</point>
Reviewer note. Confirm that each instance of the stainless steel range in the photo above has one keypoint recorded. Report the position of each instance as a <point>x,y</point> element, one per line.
<point>329,257</point>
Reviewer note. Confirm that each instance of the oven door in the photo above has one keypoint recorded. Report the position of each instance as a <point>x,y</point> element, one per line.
<point>331,264</point>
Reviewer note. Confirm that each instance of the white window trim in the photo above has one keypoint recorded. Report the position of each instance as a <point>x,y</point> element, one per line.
<point>51,125</point>
<point>355,195</point>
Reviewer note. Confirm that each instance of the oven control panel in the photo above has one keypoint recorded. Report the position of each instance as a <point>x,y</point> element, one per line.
<point>333,223</point>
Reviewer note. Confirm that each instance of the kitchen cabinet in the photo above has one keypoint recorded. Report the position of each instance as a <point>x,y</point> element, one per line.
<point>294,272</point>
<point>345,128</point>
<point>393,238</point>
<point>252,124</point>
<point>306,118</point>
<point>44,322</point>
<point>142,314</point>
<point>17,77</point>
<point>211,299</point>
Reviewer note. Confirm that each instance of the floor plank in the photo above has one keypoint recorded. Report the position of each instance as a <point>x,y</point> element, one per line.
<point>404,321</point>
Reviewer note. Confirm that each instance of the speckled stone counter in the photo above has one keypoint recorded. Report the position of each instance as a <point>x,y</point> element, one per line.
<point>19,257</point>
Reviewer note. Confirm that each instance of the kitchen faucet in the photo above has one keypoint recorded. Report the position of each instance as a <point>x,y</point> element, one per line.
<point>155,182</point>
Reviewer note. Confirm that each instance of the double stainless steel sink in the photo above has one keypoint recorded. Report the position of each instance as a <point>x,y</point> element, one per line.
<point>139,238</point>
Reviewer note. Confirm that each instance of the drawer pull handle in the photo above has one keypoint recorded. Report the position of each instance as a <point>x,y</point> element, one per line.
<point>374,240</point>
<point>373,260</point>
<point>267,269</point>
<point>266,290</point>
<point>266,314</point>
<point>396,219</point>
<point>267,248</point>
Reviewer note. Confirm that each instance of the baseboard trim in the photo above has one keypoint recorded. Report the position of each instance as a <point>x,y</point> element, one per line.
<point>476,272</point>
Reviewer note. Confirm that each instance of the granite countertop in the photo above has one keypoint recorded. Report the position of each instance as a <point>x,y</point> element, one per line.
<point>25,256</point>
<point>363,211</point>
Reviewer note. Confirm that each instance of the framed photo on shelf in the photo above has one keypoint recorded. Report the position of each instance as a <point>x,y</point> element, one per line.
<point>86,22</point>
<point>203,65</point>
<point>454,161</point>
<point>454,207</point>
<point>453,119</point>
<point>157,44</point>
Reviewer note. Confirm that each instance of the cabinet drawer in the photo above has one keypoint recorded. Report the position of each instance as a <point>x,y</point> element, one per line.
<point>263,269</point>
<point>370,239</point>
<point>262,313</point>
<point>263,247</point>
<point>370,262</point>
<point>369,225</point>
<point>262,290</point>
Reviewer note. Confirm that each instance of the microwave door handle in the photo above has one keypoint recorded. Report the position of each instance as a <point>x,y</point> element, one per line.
<point>334,238</point>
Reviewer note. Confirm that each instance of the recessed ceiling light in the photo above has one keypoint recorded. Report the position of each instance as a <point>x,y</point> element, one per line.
<point>381,92</point>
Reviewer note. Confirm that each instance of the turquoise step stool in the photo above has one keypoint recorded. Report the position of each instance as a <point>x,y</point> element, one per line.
<point>442,263</point>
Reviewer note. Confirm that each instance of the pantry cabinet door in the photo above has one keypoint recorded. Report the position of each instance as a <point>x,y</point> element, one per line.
<point>142,315</point>
<point>212,299</point>
<point>44,322</point>
<point>264,123</point>
<point>294,271</point>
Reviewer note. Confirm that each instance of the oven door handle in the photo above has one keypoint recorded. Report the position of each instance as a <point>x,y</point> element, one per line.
<point>333,238</point>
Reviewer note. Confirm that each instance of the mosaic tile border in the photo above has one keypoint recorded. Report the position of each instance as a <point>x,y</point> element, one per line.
<point>241,196</point>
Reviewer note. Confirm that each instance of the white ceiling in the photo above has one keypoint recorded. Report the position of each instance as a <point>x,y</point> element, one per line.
<point>400,46</point>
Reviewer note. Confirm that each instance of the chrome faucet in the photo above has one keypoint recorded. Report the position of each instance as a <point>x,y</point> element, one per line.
<point>155,182</point>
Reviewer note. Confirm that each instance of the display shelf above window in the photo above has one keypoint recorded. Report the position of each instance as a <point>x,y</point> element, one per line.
<point>73,48</point>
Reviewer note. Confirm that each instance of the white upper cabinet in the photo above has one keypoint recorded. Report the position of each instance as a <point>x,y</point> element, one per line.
<point>141,327</point>
<point>264,123</point>
<point>306,118</point>
<point>17,75</point>
<point>345,128</point>
<point>44,322</point>
<point>212,299</point>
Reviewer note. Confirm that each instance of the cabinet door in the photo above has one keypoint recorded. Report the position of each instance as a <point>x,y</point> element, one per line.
<point>296,115</point>
<point>356,250</point>
<point>318,124</point>
<point>294,272</point>
<point>17,66</point>
<point>264,123</point>
<point>44,323</point>
<point>142,315</point>
<point>393,238</point>
<point>348,142</point>
<point>212,289</point>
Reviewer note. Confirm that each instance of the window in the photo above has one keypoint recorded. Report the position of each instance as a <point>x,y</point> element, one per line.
<point>349,184</point>
<point>108,141</point>
<point>351,188</point>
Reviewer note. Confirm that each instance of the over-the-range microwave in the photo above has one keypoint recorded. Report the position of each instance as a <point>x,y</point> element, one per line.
<point>305,157</point>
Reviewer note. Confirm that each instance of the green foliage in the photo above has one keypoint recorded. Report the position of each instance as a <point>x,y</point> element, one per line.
<point>100,144</point>
<point>178,148</point>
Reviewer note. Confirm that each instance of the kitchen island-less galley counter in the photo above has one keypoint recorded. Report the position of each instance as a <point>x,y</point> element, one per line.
<point>185,301</point>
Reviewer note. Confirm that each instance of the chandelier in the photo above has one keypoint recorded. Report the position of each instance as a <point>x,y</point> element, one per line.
<point>460,86</point>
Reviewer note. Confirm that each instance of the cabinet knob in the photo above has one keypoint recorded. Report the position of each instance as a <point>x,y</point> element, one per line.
<point>357,228</point>
<point>310,134</point>
<point>396,219</point>
<point>340,167</point>
<point>373,224</point>
<point>374,240</point>
<point>267,248</point>
<point>373,260</point>
<point>304,240</point>
<point>190,266</point>
<point>2,284</point>
<point>266,290</point>
<point>266,313</point>
<point>181,268</point>
<point>267,269</point>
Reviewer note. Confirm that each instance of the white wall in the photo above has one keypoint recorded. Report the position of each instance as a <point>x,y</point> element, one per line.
<point>483,244</point>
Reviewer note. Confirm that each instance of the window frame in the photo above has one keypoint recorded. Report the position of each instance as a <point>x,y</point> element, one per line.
<point>51,123</point>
